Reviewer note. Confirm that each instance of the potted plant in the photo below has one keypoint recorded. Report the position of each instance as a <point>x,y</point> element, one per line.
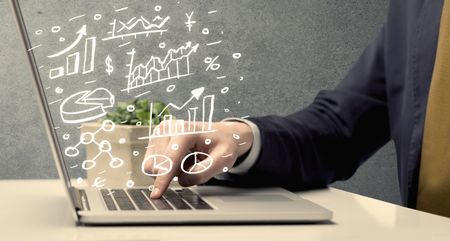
<point>114,152</point>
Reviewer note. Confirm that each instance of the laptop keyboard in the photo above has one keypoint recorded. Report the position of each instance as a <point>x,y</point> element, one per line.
<point>139,199</point>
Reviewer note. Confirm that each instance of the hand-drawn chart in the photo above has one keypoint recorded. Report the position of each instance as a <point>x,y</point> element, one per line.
<point>201,162</point>
<point>161,165</point>
<point>72,63</point>
<point>96,59</point>
<point>86,105</point>
<point>172,127</point>
<point>135,27</point>
<point>174,65</point>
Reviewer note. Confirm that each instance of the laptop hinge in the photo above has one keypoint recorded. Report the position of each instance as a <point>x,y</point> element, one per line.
<point>79,198</point>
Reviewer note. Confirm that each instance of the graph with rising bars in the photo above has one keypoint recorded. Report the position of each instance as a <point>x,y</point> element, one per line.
<point>74,61</point>
<point>175,127</point>
<point>174,65</point>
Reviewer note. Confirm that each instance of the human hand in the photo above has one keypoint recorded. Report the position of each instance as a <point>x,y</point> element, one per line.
<point>223,146</point>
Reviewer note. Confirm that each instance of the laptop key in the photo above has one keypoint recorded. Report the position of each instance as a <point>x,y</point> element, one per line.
<point>161,204</point>
<point>108,200</point>
<point>122,200</point>
<point>176,200</point>
<point>140,200</point>
<point>194,200</point>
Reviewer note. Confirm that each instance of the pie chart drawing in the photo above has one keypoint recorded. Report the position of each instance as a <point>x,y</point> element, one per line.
<point>86,105</point>
<point>159,162</point>
<point>202,162</point>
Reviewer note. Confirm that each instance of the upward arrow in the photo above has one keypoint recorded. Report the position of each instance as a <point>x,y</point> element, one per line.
<point>196,93</point>
<point>81,33</point>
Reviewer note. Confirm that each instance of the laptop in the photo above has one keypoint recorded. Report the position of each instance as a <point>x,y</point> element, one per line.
<point>97,205</point>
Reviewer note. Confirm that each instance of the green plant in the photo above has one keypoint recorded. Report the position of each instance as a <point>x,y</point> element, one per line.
<point>137,112</point>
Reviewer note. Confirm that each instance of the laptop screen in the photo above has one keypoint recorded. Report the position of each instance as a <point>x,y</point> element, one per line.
<point>112,70</point>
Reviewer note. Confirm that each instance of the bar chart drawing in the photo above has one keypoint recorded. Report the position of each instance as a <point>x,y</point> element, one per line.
<point>174,65</point>
<point>136,26</point>
<point>72,65</point>
<point>175,127</point>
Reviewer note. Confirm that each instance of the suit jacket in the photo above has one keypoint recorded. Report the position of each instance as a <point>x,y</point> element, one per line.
<point>383,97</point>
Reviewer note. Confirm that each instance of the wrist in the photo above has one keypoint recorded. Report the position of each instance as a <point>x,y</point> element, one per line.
<point>243,136</point>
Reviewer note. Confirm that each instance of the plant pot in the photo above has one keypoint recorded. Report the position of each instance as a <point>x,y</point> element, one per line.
<point>114,154</point>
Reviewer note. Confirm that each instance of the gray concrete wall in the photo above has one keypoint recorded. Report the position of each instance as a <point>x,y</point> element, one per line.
<point>291,50</point>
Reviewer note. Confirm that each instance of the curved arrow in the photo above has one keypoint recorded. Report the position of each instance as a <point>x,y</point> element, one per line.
<point>82,32</point>
<point>195,94</point>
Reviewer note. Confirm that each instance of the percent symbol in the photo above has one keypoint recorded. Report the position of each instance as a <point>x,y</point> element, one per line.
<point>212,65</point>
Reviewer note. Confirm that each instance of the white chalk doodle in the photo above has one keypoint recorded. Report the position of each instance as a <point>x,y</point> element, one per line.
<point>189,23</point>
<point>86,105</point>
<point>174,65</point>
<point>135,27</point>
<point>201,163</point>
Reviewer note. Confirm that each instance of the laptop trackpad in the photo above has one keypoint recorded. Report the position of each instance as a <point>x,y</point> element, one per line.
<point>255,198</point>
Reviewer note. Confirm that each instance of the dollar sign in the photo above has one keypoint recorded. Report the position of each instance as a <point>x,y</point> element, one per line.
<point>109,67</point>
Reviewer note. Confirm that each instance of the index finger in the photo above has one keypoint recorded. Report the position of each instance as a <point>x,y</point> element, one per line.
<point>175,151</point>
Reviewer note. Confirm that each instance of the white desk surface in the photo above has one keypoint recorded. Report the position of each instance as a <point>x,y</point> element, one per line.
<point>38,210</point>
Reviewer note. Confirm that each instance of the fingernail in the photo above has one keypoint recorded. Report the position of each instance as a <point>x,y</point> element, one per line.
<point>155,193</point>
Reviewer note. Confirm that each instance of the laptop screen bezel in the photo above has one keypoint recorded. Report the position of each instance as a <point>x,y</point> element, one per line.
<point>43,105</point>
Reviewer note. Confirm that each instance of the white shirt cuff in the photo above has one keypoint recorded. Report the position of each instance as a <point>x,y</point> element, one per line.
<point>245,165</point>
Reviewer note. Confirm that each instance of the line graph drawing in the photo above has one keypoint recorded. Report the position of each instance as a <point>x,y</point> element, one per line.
<point>81,33</point>
<point>136,26</point>
<point>195,95</point>
<point>86,105</point>
<point>174,127</point>
<point>174,65</point>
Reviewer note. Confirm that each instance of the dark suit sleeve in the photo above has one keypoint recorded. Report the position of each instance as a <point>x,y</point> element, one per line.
<point>329,139</point>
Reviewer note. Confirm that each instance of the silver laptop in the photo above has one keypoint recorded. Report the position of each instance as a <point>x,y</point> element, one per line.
<point>92,202</point>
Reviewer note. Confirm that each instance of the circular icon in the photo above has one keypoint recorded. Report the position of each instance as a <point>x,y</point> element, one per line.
<point>131,108</point>
<point>104,146</point>
<point>59,90</point>
<point>237,55</point>
<point>87,138</point>
<point>162,45</point>
<point>225,169</point>
<point>38,32</point>
<point>205,31</point>
<point>225,90</point>
<point>116,162</point>
<point>108,125</point>
<point>88,164</point>
<point>207,141</point>
<point>161,165</point>
<point>71,151</point>
<point>130,183</point>
<point>66,136</point>
<point>62,39</point>
<point>122,141</point>
<point>201,164</point>
<point>158,8</point>
<point>236,136</point>
<point>56,29</point>
<point>138,123</point>
<point>97,16</point>
<point>170,88</point>
<point>135,153</point>
<point>226,110</point>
